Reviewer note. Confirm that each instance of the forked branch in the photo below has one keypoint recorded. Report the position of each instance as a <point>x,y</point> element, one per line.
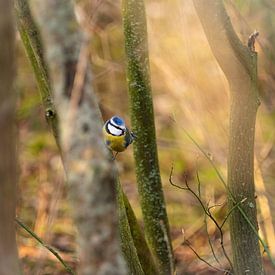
<point>206,209</point>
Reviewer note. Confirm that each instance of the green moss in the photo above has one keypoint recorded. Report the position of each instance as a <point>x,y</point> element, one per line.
<point>32,42</point>
<point>145,148</point>
<point>127,243</point>
<point>143,252</point>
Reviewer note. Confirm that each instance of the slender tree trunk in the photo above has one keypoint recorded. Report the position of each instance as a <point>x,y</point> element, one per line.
<point>8,163</point>
<point>139,243</point>
<point>32,42</point>
<point>89,168</point>
<point>145,148</point>
<point>129,249</point>
<point>239,64</point>
<point>245,243</point>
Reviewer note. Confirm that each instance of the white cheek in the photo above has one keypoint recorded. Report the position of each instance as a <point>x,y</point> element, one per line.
<point>119,126</point>
<point>114,131</point>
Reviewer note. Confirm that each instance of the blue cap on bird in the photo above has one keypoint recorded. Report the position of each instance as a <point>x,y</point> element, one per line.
<point>117,121</point>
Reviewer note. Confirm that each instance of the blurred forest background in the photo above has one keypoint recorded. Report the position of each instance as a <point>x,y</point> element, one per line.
<point>190,93</point>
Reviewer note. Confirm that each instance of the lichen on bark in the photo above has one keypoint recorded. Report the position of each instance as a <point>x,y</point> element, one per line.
<point>145,148</point>
<point>31,39</point>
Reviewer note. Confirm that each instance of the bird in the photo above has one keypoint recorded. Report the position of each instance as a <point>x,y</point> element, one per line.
<point>117,136</point>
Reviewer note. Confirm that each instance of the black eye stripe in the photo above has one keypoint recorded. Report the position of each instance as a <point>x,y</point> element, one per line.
<point>107,130</point>
<point>117,127</point>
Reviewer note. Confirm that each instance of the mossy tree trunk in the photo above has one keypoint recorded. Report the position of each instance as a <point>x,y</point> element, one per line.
<point>239,64</point>
<point>8,165</point>
<point>145,148</point>
<point>91,174</point>
<point>130,251</point>
<point>143,253</point>
<point>31,39</point>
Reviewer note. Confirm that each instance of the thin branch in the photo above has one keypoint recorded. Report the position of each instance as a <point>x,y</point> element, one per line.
<point>172,183</point>
<point>231,210</point>
<point>186,242</point>
<point>31,40</point>
<point>199,183</point>
<point>252,40</point>
<point>205,221</point>
<point>49,248</point>
<point>206,211</point>
<point>209,239</point>
<point>216,205</point>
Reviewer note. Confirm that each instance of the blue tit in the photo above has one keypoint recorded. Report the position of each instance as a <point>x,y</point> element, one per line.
<point>117,136</point>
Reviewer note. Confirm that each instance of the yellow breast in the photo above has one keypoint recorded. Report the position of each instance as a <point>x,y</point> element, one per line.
<point>115,143</point>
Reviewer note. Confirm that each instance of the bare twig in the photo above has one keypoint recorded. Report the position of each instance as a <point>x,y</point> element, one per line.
<point>187,243</point>
<point>252,40</point>
<point>231,210</point>
<point>205,222</point>
<point>206,211</point>
<point>52,250</point>
<point>209,239</point>
<point>216,205</point>
<point>199,183</point>
<point>172,183</point>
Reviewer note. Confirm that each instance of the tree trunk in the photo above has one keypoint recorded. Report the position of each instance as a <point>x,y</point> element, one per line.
<point>32,42</point>
<point>89,168</point>
<point>245,243</point>
<point>8,163</point>
<point>143,252</point>
<point>239,64</point>
<point>143,125</point>
<point>129,249</point>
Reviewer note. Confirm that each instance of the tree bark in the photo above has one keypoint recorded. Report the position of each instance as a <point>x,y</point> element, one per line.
<point>31,39</point>
<point>8,162</point>
<point>139,243</point>
<point>145,148</point>
<point>130,251</point>
<point>89,168</point>
<point>239,64</point>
